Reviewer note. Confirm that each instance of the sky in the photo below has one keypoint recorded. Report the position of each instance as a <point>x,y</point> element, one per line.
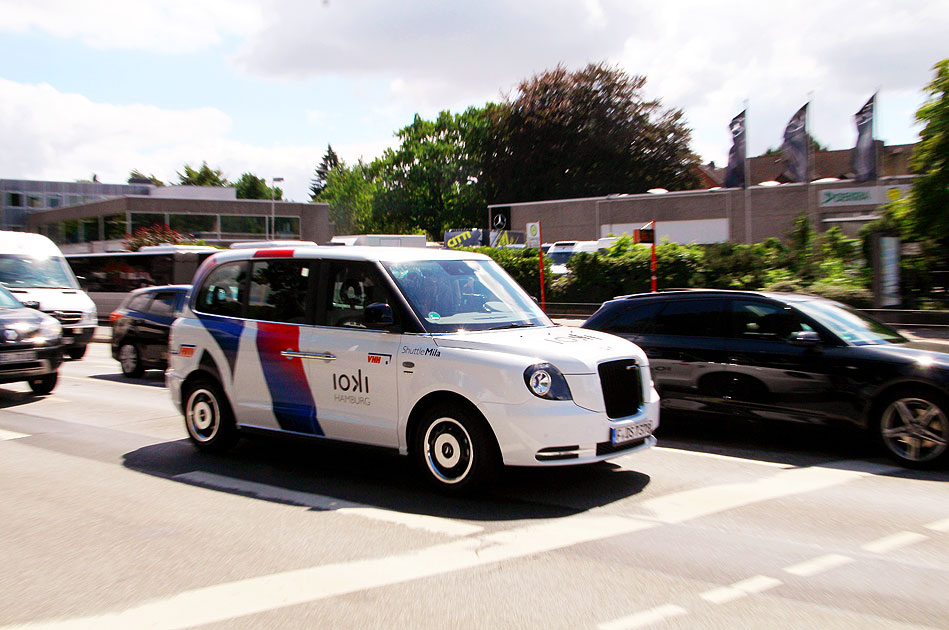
<point>263,86</point>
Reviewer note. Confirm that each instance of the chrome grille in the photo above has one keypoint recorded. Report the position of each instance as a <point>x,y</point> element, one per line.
<point>66,318</point>
<point>622,387</point>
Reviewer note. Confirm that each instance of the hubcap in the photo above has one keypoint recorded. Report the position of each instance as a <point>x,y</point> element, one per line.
<point>202,414</point>
<point>915,429</point>
<point>448,451</point>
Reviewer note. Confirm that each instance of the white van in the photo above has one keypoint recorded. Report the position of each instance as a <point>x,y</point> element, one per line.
<point>562,251</point>
<point>436,354</point>
<point>37,274</point>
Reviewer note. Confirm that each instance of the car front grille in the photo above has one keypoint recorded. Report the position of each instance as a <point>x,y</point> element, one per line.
<point>622,387</point>
<point>66,318</point>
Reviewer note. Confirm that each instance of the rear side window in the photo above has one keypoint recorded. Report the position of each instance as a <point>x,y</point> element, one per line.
<point>765,321</point>
<point>163,303</point>
<point>279,290</point>
<point>635,319</point>
<point>140,302</point>
<point>223,291</point>
<point>690,318</point>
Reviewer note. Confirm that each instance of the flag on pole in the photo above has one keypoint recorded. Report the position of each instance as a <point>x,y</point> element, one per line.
<point>864,154</point>
<point>735,173</point>
<point>794,149</point>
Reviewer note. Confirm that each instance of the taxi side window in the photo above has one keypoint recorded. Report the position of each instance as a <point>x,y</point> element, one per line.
<point>223,291</point>
<point>278,290</point>
<point>351,287</point>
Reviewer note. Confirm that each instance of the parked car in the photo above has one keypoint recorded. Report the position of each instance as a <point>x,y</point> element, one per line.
<point>140,327</point>
<point>31,347</point>
<point>776,356</point>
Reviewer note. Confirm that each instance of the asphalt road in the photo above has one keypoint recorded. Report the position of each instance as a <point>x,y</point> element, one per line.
<point>109,519</point>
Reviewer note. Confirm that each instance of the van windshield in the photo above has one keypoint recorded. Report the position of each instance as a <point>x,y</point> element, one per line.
<point>25,272</point>
<point>454,295</point>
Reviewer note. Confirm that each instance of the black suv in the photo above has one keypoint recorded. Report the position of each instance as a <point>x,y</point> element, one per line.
<point>779,356</point>
<point>141,325</point>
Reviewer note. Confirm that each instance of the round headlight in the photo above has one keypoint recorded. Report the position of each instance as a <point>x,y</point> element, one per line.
<point>546,381</point>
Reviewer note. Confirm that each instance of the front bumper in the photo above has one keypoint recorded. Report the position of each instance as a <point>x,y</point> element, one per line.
<point>76,336</point>
<point>46,362</point>
<point>560,433</point>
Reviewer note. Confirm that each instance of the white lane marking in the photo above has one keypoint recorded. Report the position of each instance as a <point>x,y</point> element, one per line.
<point>11,435</point>
<point>939,526</point>
<point>221,602</point>
<point>690,504</point>
<point>270,592</point>
<point>894,541</point>
<point>727,458</point>
<point>432,524</point>
<point>819,564</point>
<point>756,584</point>
<point>644,618</point>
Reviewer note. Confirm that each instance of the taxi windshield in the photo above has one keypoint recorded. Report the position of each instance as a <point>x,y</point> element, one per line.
<point>27,272</point>
<point>7,300</point>
<point>453,295</point>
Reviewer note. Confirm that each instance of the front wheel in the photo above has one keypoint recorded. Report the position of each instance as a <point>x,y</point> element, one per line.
<point>77,352</point>
<point>208,416</point>
<point>44,384</point>
<point>454,449</point>
<point>913,427</point>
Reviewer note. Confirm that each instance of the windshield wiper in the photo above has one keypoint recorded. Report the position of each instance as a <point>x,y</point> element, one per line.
<point>515,325</point>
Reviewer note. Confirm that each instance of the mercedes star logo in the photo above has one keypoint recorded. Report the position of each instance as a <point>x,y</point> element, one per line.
<point>500,221</point>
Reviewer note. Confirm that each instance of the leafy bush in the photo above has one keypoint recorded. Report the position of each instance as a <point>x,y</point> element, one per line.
<point>522,264</point>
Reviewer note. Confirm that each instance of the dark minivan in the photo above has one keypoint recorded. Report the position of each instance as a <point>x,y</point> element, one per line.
<point>779,356</point>
<point>141,324</point>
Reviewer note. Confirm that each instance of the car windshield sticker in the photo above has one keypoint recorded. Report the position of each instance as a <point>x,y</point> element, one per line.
<point>434,316</point>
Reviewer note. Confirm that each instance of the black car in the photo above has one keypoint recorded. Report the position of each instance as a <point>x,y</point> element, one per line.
<point>30,345</point>
<point>140,327</point>
<point>778,356</point>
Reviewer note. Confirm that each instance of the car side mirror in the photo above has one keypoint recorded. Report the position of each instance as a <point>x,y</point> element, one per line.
<point>805,338</point>
<point>378,315</point>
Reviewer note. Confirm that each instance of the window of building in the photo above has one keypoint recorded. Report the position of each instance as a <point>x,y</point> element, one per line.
<point>71,231</point>
<point>14,200</point>
<point>54,201</point>
<point>146,220</point>
<point>90,229</point>
<point>285,227</point>
<point>243,225</point>
<point>115,226</point>
<point>279,290</point>
<point>34,201</point>
<point>196,224</point>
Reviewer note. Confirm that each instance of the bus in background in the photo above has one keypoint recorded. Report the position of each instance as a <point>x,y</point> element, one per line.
<point>33,269</point>
<point>109,277</point>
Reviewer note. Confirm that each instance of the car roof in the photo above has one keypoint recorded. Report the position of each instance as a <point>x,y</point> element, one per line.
<point>358,252</point>
<point>161,287</point>
<point>780,297</point>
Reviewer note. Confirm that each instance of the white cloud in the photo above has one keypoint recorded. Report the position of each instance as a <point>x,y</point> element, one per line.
<point>167,26</point>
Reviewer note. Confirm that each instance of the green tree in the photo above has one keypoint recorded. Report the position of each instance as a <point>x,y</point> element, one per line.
<point>329,163</point>
<point>930,197</point>
<point>350,192</point>
<point>249,186</point>
<point>575,134</point>
<point>430,181</point>
<point>205,176</point>
<point>136,174</point>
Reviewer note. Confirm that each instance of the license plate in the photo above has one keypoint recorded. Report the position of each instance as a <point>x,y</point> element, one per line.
<point>631,432</point>
<point>18,357</point>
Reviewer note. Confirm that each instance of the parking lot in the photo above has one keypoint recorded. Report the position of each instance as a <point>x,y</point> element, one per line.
<point>112,520</point>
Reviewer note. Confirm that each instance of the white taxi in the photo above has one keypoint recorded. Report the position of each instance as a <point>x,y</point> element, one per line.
<point>437,354</point>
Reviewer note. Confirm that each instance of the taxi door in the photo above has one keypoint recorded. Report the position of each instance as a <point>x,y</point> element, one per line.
<point>352,369</point>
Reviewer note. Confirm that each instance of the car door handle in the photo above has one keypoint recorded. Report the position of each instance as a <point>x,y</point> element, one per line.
<point>296,354</point>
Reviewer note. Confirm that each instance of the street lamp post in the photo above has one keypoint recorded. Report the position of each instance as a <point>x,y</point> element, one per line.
<point>273,225</point>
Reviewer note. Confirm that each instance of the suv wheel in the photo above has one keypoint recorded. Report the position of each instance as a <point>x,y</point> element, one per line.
<point>913,427</point>
<point>130,360</point>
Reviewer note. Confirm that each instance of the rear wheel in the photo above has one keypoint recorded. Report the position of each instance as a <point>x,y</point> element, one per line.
<point>208,416</point>
<point>913,427</point>
<point>130,360</point>
<point>44,384</point>
<point>454,449</point>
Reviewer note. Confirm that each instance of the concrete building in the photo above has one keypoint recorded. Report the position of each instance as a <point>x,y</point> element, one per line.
<point>93,217</point>
<point>727,214</point>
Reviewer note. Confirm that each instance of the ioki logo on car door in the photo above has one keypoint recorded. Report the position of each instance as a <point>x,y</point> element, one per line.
<point>354,380</point>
